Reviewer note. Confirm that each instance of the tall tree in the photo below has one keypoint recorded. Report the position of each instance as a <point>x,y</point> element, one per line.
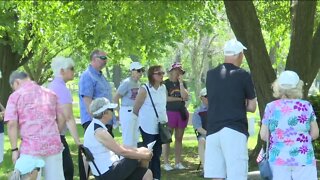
<point>304,54</point>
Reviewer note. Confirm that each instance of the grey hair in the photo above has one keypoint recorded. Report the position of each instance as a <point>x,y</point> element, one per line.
<point>293,93</point>
<point>59,63</point>
<point>94,53</point>
<point>95,105</point>
<point>17,75</point>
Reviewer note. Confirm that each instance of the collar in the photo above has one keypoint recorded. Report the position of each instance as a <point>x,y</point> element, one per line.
<point>59,80</point>
<point>94,71</point>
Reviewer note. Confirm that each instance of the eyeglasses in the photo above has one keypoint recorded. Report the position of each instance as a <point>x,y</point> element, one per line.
<point>206,96</point>
<point>160,73</point>
<point>104,58</point>
<point>71,68</point>
<point>139,70</point>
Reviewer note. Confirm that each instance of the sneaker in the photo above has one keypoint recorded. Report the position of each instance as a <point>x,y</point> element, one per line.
<point>167,167</point>
<point>179,166</point>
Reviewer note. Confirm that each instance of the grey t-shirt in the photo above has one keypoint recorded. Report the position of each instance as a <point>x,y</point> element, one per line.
<point>128,89</point>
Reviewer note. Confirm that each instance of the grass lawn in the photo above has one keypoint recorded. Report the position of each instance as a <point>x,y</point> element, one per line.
<point>190,156</point>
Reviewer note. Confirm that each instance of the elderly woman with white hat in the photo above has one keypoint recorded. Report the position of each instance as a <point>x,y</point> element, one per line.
<point>289,124</point>
<point>105,149</point>
<point>128,91</point>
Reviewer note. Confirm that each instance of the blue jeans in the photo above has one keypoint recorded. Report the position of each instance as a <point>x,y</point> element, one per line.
<point>154,164</point>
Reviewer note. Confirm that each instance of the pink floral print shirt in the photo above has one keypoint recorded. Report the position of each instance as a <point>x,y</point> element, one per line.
<point>35,109</point>
<point>289,122</point>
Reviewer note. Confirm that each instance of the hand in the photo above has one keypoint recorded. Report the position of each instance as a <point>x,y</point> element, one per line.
<point>15,155</point>
<point>180,78</point>
<point>146,152</point>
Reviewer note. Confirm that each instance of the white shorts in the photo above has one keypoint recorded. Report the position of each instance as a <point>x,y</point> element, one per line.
<point>294,173</point>
<point>53,168</point>
<point>129,127</point>
<point>226,155</point>
<point>1,146</point>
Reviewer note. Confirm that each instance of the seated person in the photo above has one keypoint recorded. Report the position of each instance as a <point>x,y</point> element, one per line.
<point>105,149</point>
<point>199,122</point>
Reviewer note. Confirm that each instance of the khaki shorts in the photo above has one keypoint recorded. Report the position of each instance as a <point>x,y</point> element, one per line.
<point>226,155</point>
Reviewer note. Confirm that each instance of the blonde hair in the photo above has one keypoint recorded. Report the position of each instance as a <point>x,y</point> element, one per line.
<point>59,63</point>
<point>293,93</point>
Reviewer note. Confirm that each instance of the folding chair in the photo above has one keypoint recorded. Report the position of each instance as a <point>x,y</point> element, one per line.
<point>89,157</point>
<point>197,134</point>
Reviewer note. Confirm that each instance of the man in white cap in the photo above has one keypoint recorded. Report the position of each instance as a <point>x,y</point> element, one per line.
<point>231,94</point>
<point>128,91</point>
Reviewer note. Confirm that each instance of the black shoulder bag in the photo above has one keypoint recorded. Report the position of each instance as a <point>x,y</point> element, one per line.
<point>164,132</point>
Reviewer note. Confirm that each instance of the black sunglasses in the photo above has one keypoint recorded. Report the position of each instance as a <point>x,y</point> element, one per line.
<point>71,68</point>
<point>206,96</point>
<point>102,57</point>
<point>139,70</point>
<point>160,73</point>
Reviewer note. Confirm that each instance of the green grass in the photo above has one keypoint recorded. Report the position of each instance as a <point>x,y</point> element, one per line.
<point>190,155</point>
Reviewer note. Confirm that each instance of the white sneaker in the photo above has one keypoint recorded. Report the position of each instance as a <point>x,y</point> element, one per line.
<point>179,166</point>
<point>167,167</point>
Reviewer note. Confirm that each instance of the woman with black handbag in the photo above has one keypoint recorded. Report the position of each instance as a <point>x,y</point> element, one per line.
<point>150,109</point>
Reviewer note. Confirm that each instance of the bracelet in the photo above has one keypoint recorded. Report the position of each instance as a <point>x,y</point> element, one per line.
<point>15,149</point>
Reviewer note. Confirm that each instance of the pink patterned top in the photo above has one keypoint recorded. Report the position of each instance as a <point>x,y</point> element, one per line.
<point>35,108</point>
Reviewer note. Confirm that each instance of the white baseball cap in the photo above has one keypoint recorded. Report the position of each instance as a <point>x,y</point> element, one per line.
<point>203,92</point>
<point>288,79</point>
<point>102,104</point>
<point>25,164</point>
<point>135,66</point>
<point>233,47</point>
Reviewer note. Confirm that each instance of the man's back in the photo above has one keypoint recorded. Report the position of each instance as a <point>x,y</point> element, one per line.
<point>35,109</point>
<point>228,87</point>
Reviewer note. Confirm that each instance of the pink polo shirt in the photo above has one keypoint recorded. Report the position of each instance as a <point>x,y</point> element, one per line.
<point>35,108</point>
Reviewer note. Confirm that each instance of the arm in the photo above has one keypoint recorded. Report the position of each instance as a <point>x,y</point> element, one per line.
<point>183,91</point>
<point>197,124</point>
<point>87,101</point>
<point>251,105</point>
<point>264,132</point>
<point>116,100</point>
<point>314,130</point>
<point>67,114</point>
<point>106,139</point>
<point>142,94</point>
<point>13,138</point>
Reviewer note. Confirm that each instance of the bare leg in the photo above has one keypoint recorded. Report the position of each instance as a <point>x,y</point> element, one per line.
<point>178,144</point>
<point>148,175</point>
<point>166,151</point>
<point>201,148</point>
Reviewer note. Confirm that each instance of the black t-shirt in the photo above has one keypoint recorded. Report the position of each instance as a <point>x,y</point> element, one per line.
<point>228,87</point>
<point>173,89</point>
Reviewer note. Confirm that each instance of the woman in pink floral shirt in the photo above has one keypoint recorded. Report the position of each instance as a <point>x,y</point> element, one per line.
<point>292,126</point>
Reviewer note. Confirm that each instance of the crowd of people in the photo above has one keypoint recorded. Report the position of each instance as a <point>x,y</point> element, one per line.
<point>40,117</point>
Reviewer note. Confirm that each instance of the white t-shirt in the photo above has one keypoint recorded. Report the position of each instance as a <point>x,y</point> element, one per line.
<point>147,117</point>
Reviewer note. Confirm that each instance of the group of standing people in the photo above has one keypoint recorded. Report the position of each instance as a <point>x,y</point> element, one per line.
<point>41,117</point>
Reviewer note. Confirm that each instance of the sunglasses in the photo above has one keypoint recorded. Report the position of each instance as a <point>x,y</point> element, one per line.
<point>139,70</point>
<point>160,73</point>
<point>71,68</point>
<point>206,96</point>
<point>104,58</point>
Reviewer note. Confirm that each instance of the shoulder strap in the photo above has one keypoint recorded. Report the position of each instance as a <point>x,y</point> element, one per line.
<point>155,110</point>
<point>267,147</point>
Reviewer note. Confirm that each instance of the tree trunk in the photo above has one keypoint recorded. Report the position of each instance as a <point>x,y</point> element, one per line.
<point>9,61</point>
<point>246,26</point>
<point>116,75</point>
<point>300,54</point>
